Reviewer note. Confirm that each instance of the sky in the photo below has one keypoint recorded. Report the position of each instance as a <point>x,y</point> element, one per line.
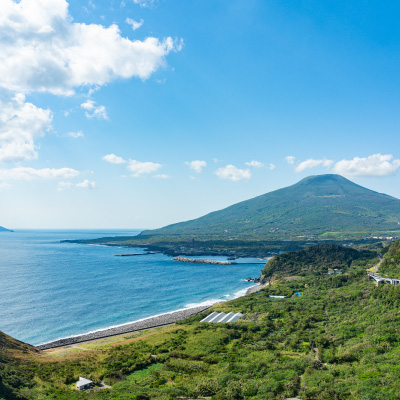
<point>139,113</point>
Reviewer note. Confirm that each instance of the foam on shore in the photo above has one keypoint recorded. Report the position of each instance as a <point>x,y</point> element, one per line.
<point>154,321</point>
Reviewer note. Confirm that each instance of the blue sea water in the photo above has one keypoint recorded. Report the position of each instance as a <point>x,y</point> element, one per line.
<point>51,290</point>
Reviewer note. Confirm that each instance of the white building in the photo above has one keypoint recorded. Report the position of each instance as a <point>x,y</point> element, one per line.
<point>83,384</point>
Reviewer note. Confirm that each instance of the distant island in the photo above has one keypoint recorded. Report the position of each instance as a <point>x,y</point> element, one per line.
<point>318,209</point>
<point>2,229</point>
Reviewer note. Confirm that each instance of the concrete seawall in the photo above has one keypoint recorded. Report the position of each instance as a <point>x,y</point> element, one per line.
<point>152,322</point>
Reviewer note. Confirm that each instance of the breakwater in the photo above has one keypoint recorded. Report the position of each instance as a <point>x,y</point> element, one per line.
<point>215,262</point>
<point>136,254</point>
<point>152,322</point>
<point>200,261</point>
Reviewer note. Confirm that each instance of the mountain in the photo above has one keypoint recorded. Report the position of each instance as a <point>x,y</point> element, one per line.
<point>314,206</point>
<point>2,229</point>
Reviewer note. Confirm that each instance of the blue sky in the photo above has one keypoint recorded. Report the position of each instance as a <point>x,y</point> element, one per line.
<point>139,113</point>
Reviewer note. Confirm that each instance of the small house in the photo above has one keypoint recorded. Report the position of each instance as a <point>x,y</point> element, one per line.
<point>84,383</point>
<point>334,271</point>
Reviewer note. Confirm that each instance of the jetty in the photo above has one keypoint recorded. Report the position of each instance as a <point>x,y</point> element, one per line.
<point>200,261</point>
<point>215,262</point>
<point>136,254</point>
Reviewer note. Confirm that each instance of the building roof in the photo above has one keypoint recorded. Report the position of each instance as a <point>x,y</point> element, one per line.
<point>83,382</point>
<point>222,317</point>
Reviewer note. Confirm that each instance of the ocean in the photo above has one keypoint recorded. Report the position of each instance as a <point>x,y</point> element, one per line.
<point>51,290</point>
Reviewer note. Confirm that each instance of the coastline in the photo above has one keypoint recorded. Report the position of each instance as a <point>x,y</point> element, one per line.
<point>139,325</point>
<point>155,321</point>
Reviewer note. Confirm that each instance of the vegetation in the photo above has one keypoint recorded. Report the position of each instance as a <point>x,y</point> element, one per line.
<point>391,264</point>
<point>338,340</point>
<point>314,260</point>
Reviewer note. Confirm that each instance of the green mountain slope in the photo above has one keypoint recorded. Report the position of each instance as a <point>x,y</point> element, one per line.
<point>315,260</point>
<point>315,205</point>
<point>391,263</point>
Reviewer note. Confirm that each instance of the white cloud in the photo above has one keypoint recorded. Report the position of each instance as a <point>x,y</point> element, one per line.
<point>43,50</point>
<point>146,3</point>
<point>4,186</point>
<point>196,165</point>
<point>94,111</point>
<point>113,159</point>
<point>232,173</point>
<point>86,184</point>
<point>161,176</point>
<point>29,174</point>
<point>254,164</point>
<point>20,124</point>
<point>374,165</point>
<point>134,24</point>
<point>76,134</point>
<point>64,186</point>
<point>272,166</point>
<point>290,159</point>
<point>311,163</point>
<point>138,168</point>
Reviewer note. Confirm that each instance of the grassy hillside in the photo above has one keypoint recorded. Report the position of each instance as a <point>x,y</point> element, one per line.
<point>315,260</point>
<point>316,205</point>
<point>391,263</point>
<point>339,340</point>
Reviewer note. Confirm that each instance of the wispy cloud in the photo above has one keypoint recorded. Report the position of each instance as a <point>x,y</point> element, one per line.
<point>161,176</point>
<point>113,159</point>
<point>76,134</point>
<point>139,168</point>
<point>254,164</point>
<point>94,111</point>
<point>374,165</point>
<point>29,174</point>
<point>290,159</point>
<point>134,24</point>
<point>146,3</point>
<point>196,165</point>
<point>232,173</point>
<point>272,166</point>
<point>311,163</point>
<point>86,184</point>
